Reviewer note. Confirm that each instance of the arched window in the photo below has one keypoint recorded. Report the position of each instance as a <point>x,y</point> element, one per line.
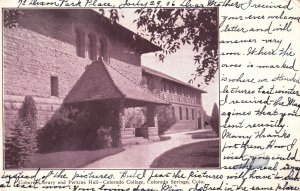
<point>103,49</point>
<point>80,43</point>
<point>92,47</point>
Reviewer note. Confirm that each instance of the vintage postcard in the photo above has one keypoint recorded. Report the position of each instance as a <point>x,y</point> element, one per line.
<point>80,90</point>
<point>150,95</point>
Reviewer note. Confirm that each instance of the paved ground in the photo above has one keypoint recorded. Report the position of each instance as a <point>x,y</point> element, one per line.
<point>141,156</point>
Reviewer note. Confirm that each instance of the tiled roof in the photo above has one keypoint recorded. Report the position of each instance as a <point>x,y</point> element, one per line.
<point>101,81</point>
<point>170,78</point>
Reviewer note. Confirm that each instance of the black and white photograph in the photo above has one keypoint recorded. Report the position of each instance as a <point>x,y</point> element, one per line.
<point>131,88</point>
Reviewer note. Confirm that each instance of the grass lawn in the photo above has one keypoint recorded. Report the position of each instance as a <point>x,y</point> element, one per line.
<point>194,155</point>
<point>70,159</point>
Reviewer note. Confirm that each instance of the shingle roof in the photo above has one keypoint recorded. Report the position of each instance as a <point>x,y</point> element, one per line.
<point>101,81</point>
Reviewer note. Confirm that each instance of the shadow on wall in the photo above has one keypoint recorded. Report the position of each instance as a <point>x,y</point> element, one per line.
<point>82,126</point>
<point>165,118</point>
<point>93,125</point>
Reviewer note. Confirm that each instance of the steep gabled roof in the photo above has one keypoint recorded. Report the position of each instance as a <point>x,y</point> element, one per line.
<point>101,81</point>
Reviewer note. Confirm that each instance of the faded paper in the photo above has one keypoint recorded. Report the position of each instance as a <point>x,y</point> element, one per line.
<point>259,108</point>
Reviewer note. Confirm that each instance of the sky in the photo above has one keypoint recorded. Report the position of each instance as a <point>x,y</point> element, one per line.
<point>179,65</point>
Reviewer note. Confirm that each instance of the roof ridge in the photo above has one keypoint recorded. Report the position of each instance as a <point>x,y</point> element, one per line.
<point>133,81</point>
<point>112,79</point>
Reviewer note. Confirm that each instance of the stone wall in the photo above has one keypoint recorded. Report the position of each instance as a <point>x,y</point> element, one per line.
<point>30,59</point>
<point>184,123</point>
<point>43,46</point>
<point>45,106</point>
<point>61,25</point>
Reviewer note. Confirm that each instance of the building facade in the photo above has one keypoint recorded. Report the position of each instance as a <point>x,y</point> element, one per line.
<point>53,54</point>
<point>185,100</point>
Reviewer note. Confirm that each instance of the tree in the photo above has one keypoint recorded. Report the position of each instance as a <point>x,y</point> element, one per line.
<point>172,28</point>
<point>215,119</point>
<point>21,144</point>
<point>11,17</point>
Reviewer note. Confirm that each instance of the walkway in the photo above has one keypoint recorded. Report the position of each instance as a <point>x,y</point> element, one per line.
<point>141,156</point>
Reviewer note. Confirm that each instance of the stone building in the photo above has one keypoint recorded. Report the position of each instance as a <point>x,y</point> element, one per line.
<point>185,100</point>
<point>74,61</point>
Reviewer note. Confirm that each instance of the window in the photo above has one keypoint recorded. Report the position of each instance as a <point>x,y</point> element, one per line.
<point>187,114</point>
<point>173,112</point>
<point>103,49</point>
<point>198,99</point>
<point>165,86</point>
<point>193,115</point>
<point>54,86</point>
<point>92,47</point>
<point>180,113</point>
<point>171,87</point>
<point>179,90</point>
<point>162,85</point>
<point>80,44</point>
<point>150,82</point>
